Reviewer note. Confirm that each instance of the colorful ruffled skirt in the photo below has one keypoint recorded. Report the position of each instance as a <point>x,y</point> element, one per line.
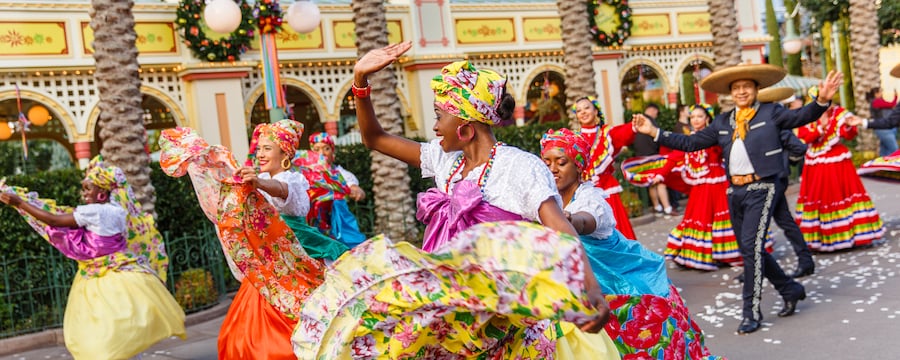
<point>885,168</point>
<point>833,208</point>
<point>344,227</point>
<point>649,319</point>
<point>119,315</point>
<point>705,237</point>
<point>487,294</point>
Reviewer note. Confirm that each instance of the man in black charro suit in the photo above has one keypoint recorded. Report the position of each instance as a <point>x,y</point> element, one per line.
<point>751,143</point>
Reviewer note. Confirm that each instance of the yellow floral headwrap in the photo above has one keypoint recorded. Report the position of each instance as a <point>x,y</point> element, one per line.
<point>285,133</point>
<point>103,175</point>
<point>469,93</point>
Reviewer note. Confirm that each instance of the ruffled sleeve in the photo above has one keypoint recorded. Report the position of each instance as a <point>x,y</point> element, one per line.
<point>349,178</point>
<point>102,219</point>
<point>518,182</point>
<point>297,201</point>
<point>592,200</point>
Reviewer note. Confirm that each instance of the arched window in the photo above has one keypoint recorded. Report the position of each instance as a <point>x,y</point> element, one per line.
<point>300,107</point>
<point>691,93</point>
<point>157,117</point>
<point>546,98</point>
<point>48,144</point>
<point>641,86</point>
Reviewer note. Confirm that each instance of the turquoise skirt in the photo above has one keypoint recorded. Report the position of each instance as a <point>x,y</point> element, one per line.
<point>317,246</point>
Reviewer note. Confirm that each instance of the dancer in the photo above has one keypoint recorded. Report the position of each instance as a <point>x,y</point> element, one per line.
<point>264,253</point>
<point>472,314</point>
<point>118,304</point>
<point>330,185</point>
<point>606,142</point>
<point>705,237</point>
<point>834,210</point>
<point>633,277</point>
<point>749,137</point>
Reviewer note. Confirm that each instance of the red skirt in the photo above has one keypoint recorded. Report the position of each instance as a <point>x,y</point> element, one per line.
<point>253,329</point>
<point>622,222</point>
<point>834,210</point>
<point>705,236</point>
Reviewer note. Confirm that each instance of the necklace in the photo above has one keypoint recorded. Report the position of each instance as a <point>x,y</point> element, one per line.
<point>461,161</point>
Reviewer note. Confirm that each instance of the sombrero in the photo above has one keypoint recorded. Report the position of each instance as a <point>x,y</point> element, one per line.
<point>765,75</point>
<point>776,94</point>
<point>895,72</point>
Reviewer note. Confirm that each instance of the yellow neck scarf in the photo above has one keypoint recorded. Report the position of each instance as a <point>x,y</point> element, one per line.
<point>742,119</point>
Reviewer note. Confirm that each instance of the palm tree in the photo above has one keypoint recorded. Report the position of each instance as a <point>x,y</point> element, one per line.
<point>864,46</point>
<point>394,209</point>
<point>577,51</point>
<point>119,87</point>
<point>726,42</point>
<point>724,28</point>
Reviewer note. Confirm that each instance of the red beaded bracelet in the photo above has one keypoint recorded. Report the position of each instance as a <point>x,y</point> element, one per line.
<point>361,92</point>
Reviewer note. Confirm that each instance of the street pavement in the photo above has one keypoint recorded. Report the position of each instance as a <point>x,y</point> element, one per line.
<point>852,310</point>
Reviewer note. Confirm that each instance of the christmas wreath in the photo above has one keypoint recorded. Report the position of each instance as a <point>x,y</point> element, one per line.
<point>268,16</point>
<point>622,12</point>
<point>230,48</point>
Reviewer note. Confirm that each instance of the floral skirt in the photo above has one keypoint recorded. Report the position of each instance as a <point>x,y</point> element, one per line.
<point>495,291</point>
<point>118,315</point>
<point>655,327</point>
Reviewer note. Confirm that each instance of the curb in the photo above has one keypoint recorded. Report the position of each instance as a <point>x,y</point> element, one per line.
<point>22,343</point>
<point>642,220</point>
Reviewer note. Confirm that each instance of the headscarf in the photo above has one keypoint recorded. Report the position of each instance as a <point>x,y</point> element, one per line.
<point>595,102</point>
<point>705,107</point>
<point>813,93</point>
<point>575,146</point>
<point>321,137</point>
<point>469,93</point>
<point>285,133</point>
<point>103,175</point>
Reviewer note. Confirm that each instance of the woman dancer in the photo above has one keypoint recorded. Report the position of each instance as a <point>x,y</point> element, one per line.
<point>478,180</point>
<point>263,233</point>
<point>118,304</point>
<point>633,277</point>
<point>833,208</point>
<point>606,142</point>
<point>330,186</point>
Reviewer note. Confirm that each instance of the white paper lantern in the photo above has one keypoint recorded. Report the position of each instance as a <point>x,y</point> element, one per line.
<point>222,16</point>
<point>303,16</point>
<point>792,46</point>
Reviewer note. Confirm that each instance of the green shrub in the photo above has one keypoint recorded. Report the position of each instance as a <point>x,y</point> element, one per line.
<point>195,289</point>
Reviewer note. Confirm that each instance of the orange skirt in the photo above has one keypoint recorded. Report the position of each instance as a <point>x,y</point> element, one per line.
<point>253,329</point>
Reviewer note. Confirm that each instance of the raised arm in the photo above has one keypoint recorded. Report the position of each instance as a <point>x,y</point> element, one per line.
<point>791,119</point>
<point>54,220</point>
<point>698,141</point>
<point>373,135</point>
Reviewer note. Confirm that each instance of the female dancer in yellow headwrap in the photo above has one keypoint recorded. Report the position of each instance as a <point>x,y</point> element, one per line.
<point>118,304</point>
<point>477,291</point>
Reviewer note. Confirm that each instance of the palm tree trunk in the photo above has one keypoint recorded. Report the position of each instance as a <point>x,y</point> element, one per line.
<point>119,87</point>
<point>866,64</point>
<point>726,42</point>
<point>775,56</point>
<point>577,51</point>
<point>394,208</point>
<point>724,28</point>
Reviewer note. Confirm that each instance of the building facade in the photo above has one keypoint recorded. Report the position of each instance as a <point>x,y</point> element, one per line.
<point>47,56</point>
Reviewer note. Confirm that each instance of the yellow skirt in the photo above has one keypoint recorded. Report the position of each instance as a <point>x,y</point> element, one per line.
<point>577,345</point>
<point>118,315</point>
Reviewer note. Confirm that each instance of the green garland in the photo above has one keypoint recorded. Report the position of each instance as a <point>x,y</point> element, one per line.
<point>623,11</point>
<point>188,15</point>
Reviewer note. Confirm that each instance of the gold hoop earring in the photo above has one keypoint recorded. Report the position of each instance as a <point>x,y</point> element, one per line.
<point>285,163</point>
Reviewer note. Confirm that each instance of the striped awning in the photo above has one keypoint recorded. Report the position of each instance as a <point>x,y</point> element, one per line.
<point>798,83</point>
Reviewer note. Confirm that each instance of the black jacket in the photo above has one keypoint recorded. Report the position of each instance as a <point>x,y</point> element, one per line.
<point>890,122</point>
<point>763,140</point>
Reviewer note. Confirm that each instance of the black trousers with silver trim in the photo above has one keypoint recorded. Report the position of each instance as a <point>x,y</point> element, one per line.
<point>751,208</point>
